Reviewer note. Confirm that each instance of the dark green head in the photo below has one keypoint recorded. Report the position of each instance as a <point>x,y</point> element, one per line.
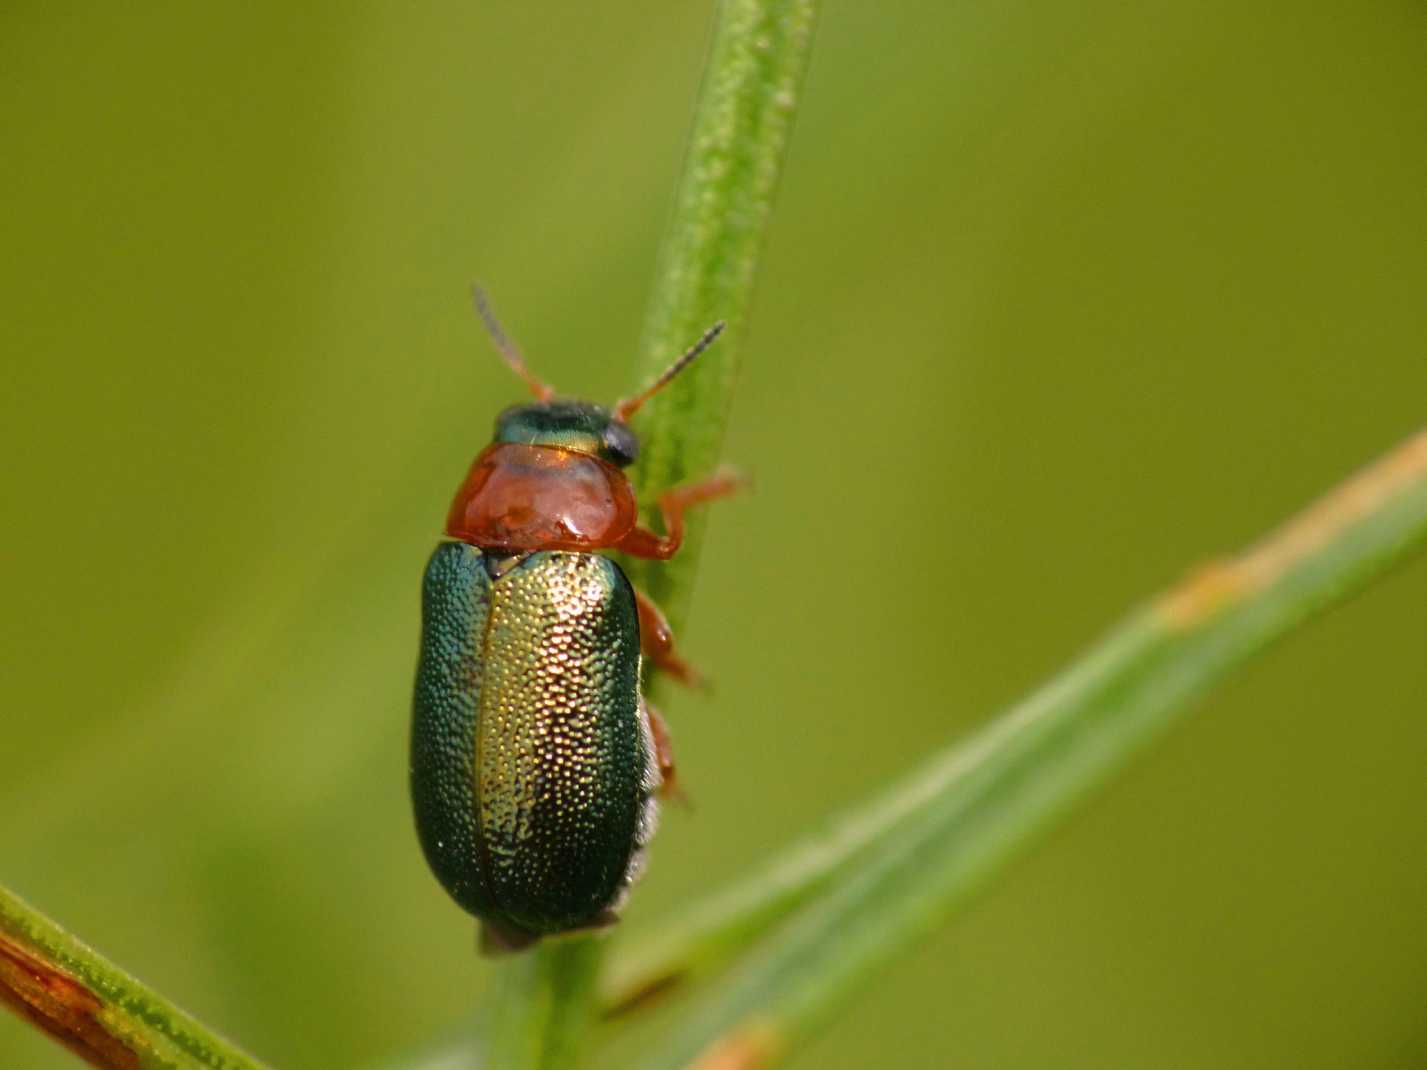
<point>581,426</point>
<point>575,425</point>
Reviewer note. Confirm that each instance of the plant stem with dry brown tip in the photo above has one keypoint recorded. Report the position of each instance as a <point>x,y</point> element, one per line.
<point>95,1009</point>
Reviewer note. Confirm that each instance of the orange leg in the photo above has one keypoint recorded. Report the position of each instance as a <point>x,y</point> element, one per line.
<point>657,642</point>
<point>664,755</point>
<point>641,542</point>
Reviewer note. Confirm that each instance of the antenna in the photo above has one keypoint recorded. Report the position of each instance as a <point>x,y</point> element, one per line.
<point>509,351</point>
<point>623,410</point>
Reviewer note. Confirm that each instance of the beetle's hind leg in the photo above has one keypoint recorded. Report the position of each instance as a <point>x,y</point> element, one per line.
<point>496,938</point>
<point>656,640</point>
<point>669,787</point>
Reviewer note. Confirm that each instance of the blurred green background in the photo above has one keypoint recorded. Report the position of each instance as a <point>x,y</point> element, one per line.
<point>1060,299</point>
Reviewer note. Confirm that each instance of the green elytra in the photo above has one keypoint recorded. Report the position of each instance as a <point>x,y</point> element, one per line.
<point>535,762</point>
<point>532,765</point>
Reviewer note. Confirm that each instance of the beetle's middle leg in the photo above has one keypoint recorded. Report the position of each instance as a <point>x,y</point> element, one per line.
<point>656,640</point>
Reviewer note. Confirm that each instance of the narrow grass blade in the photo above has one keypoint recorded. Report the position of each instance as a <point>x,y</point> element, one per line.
<point>709,260</point>
<point>94,1008</point>
<point>540,1013</point>
<point>705,274</point>
<point>1029,766</point>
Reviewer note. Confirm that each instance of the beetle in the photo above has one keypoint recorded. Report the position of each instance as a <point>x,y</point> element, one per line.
<point>536,763</point>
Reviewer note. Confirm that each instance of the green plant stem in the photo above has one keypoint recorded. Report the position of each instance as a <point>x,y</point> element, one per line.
<point>709,260</point>
<point>541,1010</point>
<point>91,1006</point>
<point>1029,766</point>
<point>706,272</point>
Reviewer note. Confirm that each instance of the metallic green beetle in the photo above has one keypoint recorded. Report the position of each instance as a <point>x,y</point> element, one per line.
<point>535,761</point>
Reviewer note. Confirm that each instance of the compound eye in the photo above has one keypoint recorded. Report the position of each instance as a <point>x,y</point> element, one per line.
<point>620,444</point>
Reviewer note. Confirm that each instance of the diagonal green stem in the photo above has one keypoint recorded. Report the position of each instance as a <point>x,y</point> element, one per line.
<point>707,934</point>
<point>706,272</point>
<point>94,1008</point>
<point>1029,766</point>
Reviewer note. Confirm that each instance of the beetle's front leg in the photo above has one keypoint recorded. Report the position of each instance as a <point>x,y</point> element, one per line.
<point>641,542</point>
